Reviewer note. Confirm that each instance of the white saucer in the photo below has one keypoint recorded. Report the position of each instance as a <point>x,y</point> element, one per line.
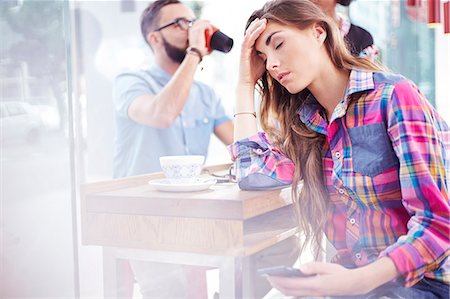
<point>167,186</point>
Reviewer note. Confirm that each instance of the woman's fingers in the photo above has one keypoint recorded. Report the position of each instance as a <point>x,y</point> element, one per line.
<point>254,31</point>
<point>321,268</point>
<point>295,286</point>
<point>328,279</point>
<point>293,282</point>
<point>251,66</point>
<point>256,28</point>
<point>252,25</point>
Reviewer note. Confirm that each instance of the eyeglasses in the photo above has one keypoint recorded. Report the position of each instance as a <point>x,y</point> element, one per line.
<point>229,177</point>
<point>183,23</point>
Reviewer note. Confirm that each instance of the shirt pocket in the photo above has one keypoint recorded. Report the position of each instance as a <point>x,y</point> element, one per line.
<point>372,149</point>
<point>199,131</point>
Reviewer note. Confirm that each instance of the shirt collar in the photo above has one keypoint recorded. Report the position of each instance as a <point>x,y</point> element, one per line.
<point>311,113</point>
<point>162,76</point>
<point>359,81</point>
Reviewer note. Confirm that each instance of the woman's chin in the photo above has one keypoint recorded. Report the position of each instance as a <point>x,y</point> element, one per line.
<point>294,89</point>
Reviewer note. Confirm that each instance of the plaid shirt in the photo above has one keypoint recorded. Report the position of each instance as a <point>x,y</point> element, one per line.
<point>386,167</point>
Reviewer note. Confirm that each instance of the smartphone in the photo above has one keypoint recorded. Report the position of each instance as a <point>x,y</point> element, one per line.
<point>283,271</point>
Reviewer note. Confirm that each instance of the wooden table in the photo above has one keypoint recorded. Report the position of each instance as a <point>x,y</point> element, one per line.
<point>219,227</point>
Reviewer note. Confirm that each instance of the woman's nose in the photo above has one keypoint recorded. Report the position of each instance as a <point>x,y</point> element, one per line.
<point>272,64</point>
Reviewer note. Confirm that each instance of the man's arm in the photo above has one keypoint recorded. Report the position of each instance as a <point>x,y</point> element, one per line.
<point>224,132</point>
<point>162,109</point>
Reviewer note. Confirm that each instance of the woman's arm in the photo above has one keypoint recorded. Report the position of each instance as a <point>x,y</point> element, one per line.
<point>329,279</point>
<point>258,164</point>
<point>421,142</point>
<point>251,69</point>
<point>245,124</point>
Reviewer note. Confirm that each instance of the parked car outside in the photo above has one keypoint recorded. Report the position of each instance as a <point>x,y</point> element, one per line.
<point>19,121</point>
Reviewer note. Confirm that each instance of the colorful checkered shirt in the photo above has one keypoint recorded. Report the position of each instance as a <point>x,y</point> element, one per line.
<point>387,169</point>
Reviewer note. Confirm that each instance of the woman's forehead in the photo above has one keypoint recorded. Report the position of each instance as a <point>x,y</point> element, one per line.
<point>272,29</point>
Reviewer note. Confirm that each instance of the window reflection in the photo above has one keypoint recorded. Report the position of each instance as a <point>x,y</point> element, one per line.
<point>37,177</point>
<point>35,195</point>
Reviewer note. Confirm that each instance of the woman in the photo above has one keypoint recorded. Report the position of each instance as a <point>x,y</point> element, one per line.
<point>372,153</point>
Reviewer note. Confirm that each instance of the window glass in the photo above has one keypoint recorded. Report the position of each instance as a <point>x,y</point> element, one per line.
<point>15,109</point>
<point>406,42</point>
<point>3,112</point>
<point>36,245</point>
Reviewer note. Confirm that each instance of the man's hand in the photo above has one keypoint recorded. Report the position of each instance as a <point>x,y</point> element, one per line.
<point>197,36</point>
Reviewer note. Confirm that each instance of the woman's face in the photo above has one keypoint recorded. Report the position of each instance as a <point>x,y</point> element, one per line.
<point>293,57</point>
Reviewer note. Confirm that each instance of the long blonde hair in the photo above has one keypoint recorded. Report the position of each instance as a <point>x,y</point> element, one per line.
<point>301,144</point>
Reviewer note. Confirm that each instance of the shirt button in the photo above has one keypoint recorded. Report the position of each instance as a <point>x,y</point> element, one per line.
<point>337,155</point>
<point>205,120</point>
<point>341,191</point>
<point>184,124</point>
<point>352,220</point>
<point>358,255</point>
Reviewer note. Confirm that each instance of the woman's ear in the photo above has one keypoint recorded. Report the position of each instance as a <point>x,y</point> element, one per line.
<point>319,33</point>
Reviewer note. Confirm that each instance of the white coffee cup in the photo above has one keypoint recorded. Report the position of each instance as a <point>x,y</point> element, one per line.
<point>182,169</point>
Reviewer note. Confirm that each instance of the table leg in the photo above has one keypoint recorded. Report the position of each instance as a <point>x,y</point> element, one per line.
<point>248,272</point>
<point>110,283</point>
<point>235,272</point>
<point>230,278</point>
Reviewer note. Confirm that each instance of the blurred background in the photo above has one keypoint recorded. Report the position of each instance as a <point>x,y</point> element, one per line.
<point>57,63</point>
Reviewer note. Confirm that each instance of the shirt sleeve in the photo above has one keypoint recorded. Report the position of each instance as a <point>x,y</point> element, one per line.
<point>127,87</point>
<point>220,117</point>
<point>259,165</point>
<point>421,142</point>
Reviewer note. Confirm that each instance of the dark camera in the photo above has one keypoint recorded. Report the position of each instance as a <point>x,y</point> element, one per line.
<point>218,41</point>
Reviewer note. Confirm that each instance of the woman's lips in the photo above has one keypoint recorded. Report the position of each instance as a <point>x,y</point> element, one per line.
<point>282,76</point>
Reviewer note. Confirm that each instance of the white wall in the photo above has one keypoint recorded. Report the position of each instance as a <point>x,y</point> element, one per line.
<point>220,70</point>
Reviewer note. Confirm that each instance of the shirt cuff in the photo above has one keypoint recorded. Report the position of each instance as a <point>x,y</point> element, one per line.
<point>240,148</point>
<point>259,165</point>
<point>407,260</point>
<point>221,120</point>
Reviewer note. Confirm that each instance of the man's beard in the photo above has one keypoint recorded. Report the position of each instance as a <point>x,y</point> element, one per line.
<point>175,54</point>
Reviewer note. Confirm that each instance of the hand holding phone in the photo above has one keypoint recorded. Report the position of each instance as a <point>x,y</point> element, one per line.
<point>283,271</point>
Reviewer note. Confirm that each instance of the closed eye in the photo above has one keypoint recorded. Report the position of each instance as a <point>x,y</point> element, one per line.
<point>279,45</point>
<point>262,56</point>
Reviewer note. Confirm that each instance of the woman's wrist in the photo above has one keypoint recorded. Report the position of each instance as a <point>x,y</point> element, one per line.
<point>245,85</point>
<point>245,123</point>
<point>245,99</point>
<point>376,274</point>
<point>246,113</point>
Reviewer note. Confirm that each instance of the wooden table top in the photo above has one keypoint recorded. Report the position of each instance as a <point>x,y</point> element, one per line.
<point>130,213</point>
<point>221,201</point>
